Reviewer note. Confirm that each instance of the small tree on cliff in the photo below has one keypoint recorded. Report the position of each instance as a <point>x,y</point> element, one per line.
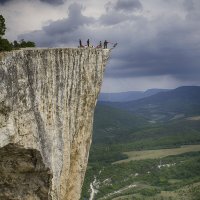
<point>5,45</point>
<point>2,26</point>
<point>24,44</point>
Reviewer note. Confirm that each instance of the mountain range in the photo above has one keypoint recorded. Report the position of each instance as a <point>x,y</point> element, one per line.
<point>128,96</point>
<point>165,105</point>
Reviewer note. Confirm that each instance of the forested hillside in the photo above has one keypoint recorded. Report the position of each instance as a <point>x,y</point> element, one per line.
<point>162,122</point>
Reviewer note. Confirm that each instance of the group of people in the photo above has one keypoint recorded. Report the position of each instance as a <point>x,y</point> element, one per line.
<point>105,44</point>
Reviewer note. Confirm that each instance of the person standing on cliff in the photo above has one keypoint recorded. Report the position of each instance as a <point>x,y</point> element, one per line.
<point>80,43</point>
<point>105,45</point>
<point>88,42</point>
<point>100,45</point>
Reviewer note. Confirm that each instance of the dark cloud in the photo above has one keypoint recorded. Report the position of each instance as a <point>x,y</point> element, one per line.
<point>61,31</point>
<point>128,5</point>
<point>192,7</point>
<point>168,46</point>
<point>4,1</point>
<point>174,52</point>
<point>70,24</point>
<point>113,18</point>
<point>164,46</point>
<point>54,2</point>
<point>189,5</point>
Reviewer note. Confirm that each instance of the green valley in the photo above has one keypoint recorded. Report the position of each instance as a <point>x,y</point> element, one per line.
<point>132,158</point>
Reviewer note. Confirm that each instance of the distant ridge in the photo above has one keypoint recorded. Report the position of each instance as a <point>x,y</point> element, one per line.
<point>128,96</point>
<point>180,102</point>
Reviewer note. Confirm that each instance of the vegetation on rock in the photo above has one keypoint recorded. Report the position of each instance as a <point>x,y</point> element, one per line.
<point>6,45</point>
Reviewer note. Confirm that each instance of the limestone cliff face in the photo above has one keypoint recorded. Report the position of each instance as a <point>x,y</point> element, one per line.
<point>47,102</point>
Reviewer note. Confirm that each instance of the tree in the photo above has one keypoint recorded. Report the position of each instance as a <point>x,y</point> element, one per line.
<point>16,44</point>
<point>5,45</point>
<point>30,44</point>
<point>2,26</point>
<point>24,44</point>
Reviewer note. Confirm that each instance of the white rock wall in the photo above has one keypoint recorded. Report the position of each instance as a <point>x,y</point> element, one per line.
<point>47,103</point>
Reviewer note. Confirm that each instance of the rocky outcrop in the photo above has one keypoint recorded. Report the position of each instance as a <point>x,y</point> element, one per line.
<point>47,102</point>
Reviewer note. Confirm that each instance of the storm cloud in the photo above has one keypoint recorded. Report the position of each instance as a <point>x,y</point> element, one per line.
<point>61,31</point>
<point>158,42</point>
<point>128,5</point>
<point>4,1</point>
<point>54,2</point>
<point>73,22</point>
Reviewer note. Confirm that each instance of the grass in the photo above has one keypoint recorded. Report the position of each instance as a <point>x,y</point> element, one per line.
<point>155,154</point>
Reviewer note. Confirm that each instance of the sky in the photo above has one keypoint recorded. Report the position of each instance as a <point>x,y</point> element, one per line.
<point>158,40</point>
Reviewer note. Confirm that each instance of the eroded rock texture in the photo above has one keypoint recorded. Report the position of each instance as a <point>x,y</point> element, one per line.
<point>47,102</point>
<point>23,174</point>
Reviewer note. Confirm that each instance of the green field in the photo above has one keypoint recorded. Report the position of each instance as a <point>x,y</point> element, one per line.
<point>160,153</point>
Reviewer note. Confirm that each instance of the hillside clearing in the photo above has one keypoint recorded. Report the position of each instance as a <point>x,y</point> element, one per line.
<point>161,153</point>
<point>196,118</point>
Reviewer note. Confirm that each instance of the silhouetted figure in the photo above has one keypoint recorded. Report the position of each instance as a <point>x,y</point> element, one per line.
<point>88,42</point>
<point>100,45</point>
<point>105,45</point>
<point>80,43</point>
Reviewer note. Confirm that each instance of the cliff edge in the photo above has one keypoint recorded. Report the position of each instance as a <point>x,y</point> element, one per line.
<point>47,103</point>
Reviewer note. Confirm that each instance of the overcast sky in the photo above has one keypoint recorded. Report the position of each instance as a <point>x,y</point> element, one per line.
<point>158,40</point>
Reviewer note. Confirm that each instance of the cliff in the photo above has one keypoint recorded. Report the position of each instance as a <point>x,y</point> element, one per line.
<point>47,102</point>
